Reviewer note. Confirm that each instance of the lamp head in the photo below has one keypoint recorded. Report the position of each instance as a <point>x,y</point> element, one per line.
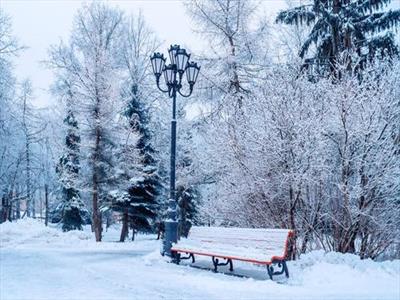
<point>192,71</point>
<point>172,52</point>
<point>169,74</point>
<point>157,62</point>
<point>181,60</point>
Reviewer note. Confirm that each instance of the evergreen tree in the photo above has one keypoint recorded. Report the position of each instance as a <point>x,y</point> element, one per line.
<point>68,167</point>
<point>139,205</point>
<point>188,198</point>
<point>187,191</point>
<point>138,117</point>
<point>143,198</point>
<point>345,32</point>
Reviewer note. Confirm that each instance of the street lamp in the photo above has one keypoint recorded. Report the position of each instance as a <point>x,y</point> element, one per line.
<point>173,75</point>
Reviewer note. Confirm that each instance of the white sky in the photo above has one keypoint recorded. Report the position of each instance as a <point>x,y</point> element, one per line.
<point>40,23</point>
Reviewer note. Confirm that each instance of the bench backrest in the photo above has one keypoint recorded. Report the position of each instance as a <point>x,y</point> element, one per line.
<point>249,243</point>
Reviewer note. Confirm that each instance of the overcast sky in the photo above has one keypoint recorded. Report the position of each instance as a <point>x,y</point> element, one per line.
<point>40,23</point>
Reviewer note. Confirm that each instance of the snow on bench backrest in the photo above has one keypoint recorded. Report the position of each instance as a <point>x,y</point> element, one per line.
<point>247,243</point>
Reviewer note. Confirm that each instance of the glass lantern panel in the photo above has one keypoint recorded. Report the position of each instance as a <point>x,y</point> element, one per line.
<point>165,76</point>
<point>159,65</point>
<point>153,64</point>
<point>195,73</point>
<point>172,53</point>
<point>171,76</point>
<point>189,74</point>
<point>182,59</point>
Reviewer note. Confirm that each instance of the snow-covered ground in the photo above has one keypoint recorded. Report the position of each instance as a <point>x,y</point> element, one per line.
<point>44,263</point>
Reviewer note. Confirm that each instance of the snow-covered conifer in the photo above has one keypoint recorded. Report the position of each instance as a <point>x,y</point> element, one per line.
<point>139,203</point>
<point>344,32</point>
<point>73,210</point>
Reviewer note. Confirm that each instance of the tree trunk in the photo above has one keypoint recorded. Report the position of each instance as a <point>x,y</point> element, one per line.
<point>133,230</point>
<point>28,179</point>
<point>108,220</point>
<point>9,208</point>
<point>97,223</point>
<point>40,204</point>
<point>235,83</point>
<point>292,210</point>
<point>125,228</point>
<point>46,204</point>
<point>96,213</point>
<point>3,216</point>
<point>17,206</point>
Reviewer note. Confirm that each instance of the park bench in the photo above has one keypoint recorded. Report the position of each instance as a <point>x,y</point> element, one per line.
<point>267,247</point>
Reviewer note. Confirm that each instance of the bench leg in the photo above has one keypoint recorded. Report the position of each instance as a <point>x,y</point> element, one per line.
<point>216,263</point>
<point>270,271</point>
<point>190,256</point>
<point>282,265</point>
<point>285,268</point>
<point>176,257</point>
<point>230,265</point>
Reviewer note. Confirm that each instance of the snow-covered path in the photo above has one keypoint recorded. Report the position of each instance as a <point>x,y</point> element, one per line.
<point>72,274</point>
<point>48,264</point>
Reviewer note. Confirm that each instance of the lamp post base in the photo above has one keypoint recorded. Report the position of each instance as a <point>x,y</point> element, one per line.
<point>170,237</point>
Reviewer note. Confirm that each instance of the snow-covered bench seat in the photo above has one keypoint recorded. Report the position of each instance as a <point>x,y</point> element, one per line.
<point>267,247</point>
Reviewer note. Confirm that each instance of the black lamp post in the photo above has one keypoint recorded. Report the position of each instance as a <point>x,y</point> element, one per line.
<point>173,75</point>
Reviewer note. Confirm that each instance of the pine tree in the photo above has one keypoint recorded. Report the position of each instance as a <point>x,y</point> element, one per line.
<point>188,198</point>
<point>189,181</point>
<point>143,197</point>
<point>345,32</point>
<point>137,115</point>
<point>139,205</point>
<point>68,170</point>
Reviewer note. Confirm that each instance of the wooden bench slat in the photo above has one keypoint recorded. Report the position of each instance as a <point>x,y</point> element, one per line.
<point>258,245</point>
